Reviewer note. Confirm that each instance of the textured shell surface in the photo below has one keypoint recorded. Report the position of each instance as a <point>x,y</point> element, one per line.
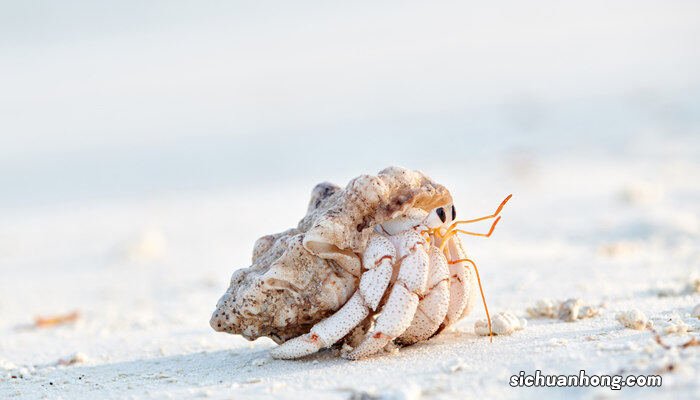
<point>302,275</point>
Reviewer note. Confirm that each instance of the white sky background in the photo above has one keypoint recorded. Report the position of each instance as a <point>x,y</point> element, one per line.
<point>107,96</point>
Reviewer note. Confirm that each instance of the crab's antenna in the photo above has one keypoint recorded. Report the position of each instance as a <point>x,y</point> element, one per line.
<point>494,215</point>
<point>493,226</point>
<point>481,289</point>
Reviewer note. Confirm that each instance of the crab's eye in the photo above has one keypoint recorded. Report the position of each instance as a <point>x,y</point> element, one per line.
<point>441,213</point>
<point>454,213</point>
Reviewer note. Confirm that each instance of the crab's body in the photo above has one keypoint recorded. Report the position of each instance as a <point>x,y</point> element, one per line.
<point>394,237</point>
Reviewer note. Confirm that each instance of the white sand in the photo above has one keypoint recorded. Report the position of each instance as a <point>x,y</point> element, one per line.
<point>145,276</point>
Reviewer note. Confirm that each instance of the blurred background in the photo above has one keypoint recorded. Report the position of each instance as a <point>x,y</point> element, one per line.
<point>131,99</point>
<point>144,146</point>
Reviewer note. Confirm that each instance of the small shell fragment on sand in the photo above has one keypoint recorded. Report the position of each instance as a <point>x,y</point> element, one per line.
<point>569,310</point>
<point>544,308</point>
<point>575,309</point>
<point>675,325</point>
<point>503,323</point>
<point>619,249</point>
<point>75,358</point>
<point>55,320</point>
<point>634,319</point>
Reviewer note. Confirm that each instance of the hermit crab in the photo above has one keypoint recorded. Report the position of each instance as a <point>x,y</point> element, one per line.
<point>378,262</point>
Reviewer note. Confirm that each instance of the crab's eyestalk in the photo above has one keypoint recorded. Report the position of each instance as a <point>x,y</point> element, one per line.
<point>439,217</point>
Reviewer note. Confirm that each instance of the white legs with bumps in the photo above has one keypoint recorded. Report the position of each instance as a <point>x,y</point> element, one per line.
<point>427,295</point>
<point>398,312</point>
<point>326,332</point>
<point>432,308</point>
<point>379,259</point>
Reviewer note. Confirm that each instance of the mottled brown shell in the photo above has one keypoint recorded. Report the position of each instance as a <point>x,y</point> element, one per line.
<point>302,275</point>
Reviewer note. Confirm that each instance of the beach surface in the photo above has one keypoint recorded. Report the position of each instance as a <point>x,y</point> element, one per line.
<point>144,278</point>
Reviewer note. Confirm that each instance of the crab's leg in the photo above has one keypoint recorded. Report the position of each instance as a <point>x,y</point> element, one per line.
<point>379,259</point>
<point>458,254</point>
<point>462,283</point>
<point>432,308</point>
<point>400,308</point>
